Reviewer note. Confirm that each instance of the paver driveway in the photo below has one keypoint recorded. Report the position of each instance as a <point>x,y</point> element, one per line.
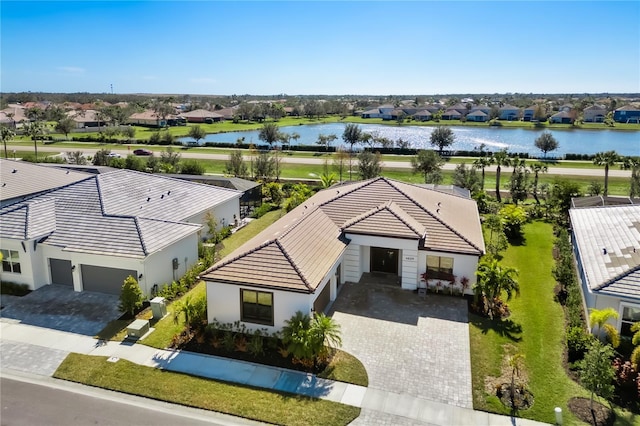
<point>408,344</point>
<point>61,308</point>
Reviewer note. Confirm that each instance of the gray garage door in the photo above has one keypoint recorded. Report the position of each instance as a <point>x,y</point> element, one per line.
<point>104,280</point>
<point>61,272</point>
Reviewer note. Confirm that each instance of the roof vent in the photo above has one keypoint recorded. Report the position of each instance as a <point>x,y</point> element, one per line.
<point>148,198</point>
<point>5,184</point>
<point>14,171</point>
<point>162,196</point>
<point>438,211</point>
<point>168,192</point>
<point>439,204</point>
<point>68,171</point>
<point>604,251</point>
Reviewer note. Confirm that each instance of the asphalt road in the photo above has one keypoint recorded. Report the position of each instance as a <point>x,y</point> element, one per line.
<point>45,401</point>
<point>564,171</point>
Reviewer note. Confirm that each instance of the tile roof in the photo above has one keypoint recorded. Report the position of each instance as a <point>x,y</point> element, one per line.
<point>109,213</point>
<point>297,251</point>
<point>200,113</point>
<point>130,193</point>
<point>608,241</point>
<point>20,178</point>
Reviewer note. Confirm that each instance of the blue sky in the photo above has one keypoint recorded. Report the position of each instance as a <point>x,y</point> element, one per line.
<point>304,47</point>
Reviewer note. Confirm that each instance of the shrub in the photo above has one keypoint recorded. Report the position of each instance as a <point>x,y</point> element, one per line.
<point>578,342</point>
<point>262,210</point>
<point>130,297</point>
<point>192,167</point>
<point>14,289</point>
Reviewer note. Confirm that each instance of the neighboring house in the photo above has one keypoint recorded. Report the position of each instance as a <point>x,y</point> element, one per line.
<point>451,114</point>
<point>21,180</point>
<point>202,116</point>
<point>478,116</point>
<point>594,114</point>
<point>627,114</point>
<point>423,115</point>
<point>93,233</point>
<point>251,191</point>
<point>86,118</point>
<point>509,113</point>
<point>606,242</point>
<point>383,111</point>
<point>484,108</point>
<point>564,117</point>
<point>461,108</point>
<point>149,118</point>
<point>378,225</point>
<point>529,113</point>
<point>566,108</point>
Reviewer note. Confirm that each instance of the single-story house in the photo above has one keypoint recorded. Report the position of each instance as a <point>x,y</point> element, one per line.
<point>149,118</point>
<point>594,114</point>
<point>380,225</point>
<point>563,117</point>
<point>451,114</point>
<point>93,233</point>
<point>87,118</point>
<point>478,116</point>
<point>509,113</point>
<point>382,111</point>
<point>422,115</point>
<point>202,116</point>
<point>627,114</point>
<point>606,242</point>
<point>484,108</point>
<point>461,108</point>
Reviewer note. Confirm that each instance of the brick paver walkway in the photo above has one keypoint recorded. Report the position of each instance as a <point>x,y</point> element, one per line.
<point>408,344</point>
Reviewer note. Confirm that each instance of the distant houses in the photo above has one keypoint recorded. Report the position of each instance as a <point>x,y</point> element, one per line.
<point>627,114</point>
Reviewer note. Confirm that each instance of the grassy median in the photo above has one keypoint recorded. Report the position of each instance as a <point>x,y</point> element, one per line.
<point>265,406</point>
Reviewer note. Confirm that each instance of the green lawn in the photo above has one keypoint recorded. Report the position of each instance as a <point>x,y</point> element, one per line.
<point>265,406</point>
<point>535,329</point>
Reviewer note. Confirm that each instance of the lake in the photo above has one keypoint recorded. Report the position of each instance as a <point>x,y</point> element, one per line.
<point>574,141</point>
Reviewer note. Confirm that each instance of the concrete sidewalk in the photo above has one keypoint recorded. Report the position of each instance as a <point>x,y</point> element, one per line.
<point>40,351</point>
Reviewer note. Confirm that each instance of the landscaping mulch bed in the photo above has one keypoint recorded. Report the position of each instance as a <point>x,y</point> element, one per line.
<point>271,356</point>
<point>600,416</point>
<point>522,398</point>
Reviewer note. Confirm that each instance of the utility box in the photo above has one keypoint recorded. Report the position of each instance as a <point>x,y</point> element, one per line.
<point>158,308</point>
<point>137,329</point>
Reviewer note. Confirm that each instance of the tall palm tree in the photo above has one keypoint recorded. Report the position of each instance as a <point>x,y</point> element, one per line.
<point>6,133</point>
<point>35,130</point>
<point>482,163</point>
<point>352,135</point>
<point>500,158</point>
<point>606,159</point>
<point>493,280</point>
<point>598,318</point>
<point>633,164</point>
<point>536,169</point>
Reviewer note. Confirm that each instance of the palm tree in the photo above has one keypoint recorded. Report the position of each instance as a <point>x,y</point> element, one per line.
<point>295,335</point>
<point>352,135</point>
<point>482,163</point>
<point>606,159</point>
<point>633,164</point>
<point>6,133</point>
<point>194,312</point>
<point>536,169</point>
<point>35,130</point>
<point>598,318</point>
<point>326,334</point>
<point>500,158</point>
<point>493,280</point>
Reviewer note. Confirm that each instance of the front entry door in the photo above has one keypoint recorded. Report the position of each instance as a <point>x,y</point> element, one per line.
<point>384,260</point>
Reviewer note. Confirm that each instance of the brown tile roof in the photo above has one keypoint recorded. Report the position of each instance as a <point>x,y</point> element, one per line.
<point>386,220</point>
<point>297,252</point>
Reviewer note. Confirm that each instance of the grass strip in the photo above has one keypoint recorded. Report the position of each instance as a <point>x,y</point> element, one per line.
<point>266,406</point>
<point>535,329</point>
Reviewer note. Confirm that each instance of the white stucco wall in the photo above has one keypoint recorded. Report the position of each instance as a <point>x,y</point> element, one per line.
<point>223,214</point>
<point>409,260</point>
<point>463,266</point>
<point>156,268</point>
<point>26,275</point>
<point>223,305</point>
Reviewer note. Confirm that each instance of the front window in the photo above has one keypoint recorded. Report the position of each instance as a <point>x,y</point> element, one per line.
<point>439,268</point>
<point>630,315</point>
<point>11,261</point>
<point>257,307</point>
